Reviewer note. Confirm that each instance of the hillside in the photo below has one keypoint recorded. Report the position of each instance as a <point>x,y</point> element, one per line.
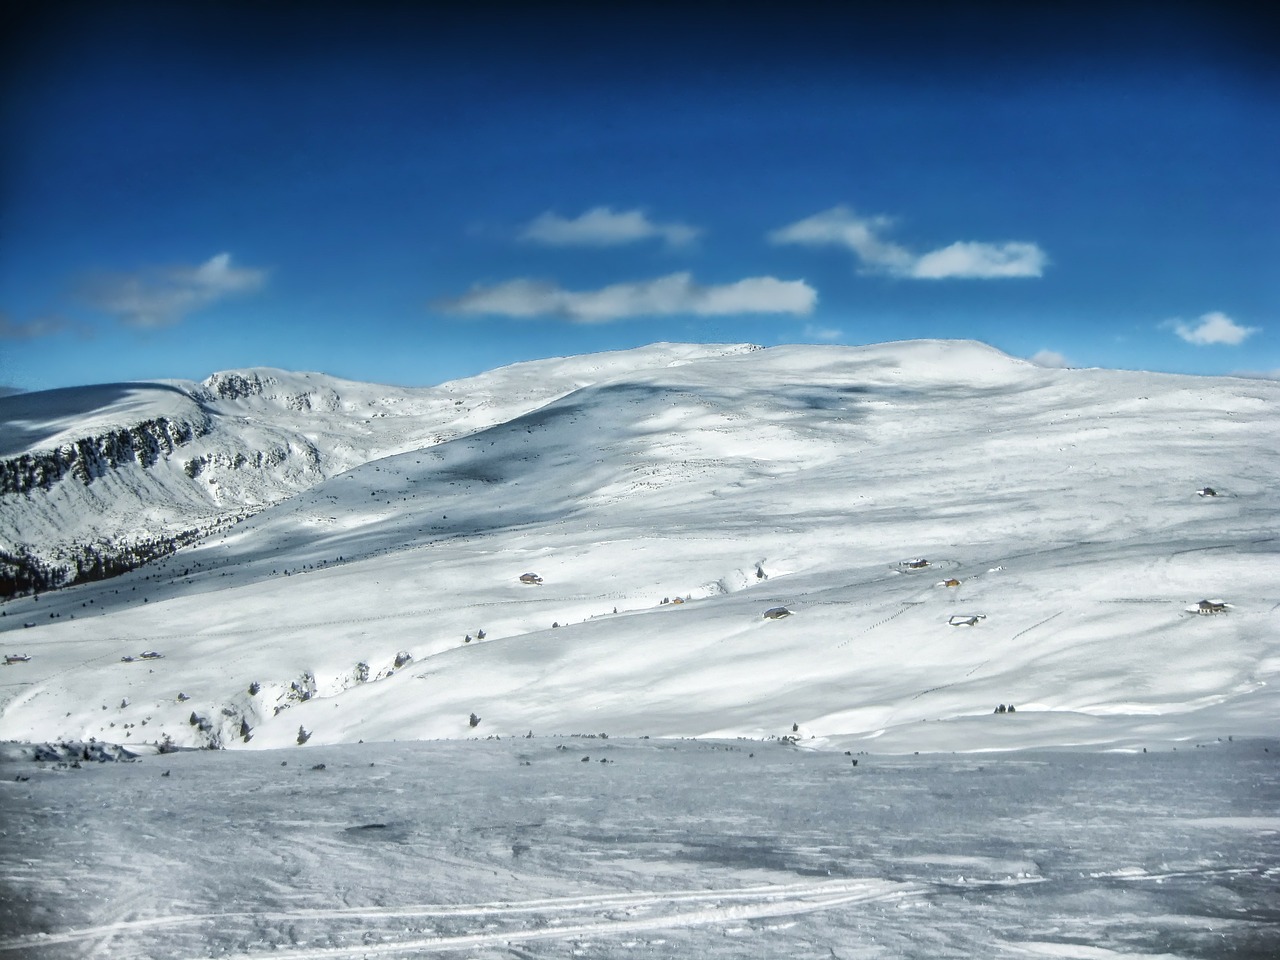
<point>96,479</point>
<point>1063,503</point>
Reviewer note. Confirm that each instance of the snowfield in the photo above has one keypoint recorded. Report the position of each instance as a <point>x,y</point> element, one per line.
<point>951,531</point>
<point>567,847</point>
<point>1062,505</point>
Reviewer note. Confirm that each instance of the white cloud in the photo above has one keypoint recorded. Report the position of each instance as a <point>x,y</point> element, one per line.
<point>840,226</point>
<point>825,334</point>
<point>1213,328</point>
<point>1050,358</point>
<point>160,298</point>
<point>981,261</point>
<point>673,294</point>
<point>602,227</point>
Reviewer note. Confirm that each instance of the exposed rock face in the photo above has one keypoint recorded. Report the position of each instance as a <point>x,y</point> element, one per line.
<point>180,460</point>
<point>90,458</point>
<point>253,459</point>
<point>231,385</point>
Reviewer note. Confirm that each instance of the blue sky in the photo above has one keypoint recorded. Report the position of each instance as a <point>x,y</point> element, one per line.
<point>395,195</point>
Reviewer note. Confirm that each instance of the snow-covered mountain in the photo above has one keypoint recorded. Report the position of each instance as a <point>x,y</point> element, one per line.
<point>96,479</point>
<point>949,528</point>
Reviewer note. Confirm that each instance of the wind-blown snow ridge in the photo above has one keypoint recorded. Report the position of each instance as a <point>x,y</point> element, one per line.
<point>951,528</point>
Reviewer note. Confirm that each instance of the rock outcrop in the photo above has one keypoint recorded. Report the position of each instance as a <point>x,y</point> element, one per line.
<point>93,457</point>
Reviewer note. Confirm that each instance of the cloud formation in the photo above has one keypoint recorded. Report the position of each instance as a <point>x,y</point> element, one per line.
<point>981,261</point>
<point>47,326</point>
<point>161,298</point>
<point>676,293</point>
<point>1049,358</point>
<point>840,226</point>
<point>602,227</point>
<point>1213,328</point>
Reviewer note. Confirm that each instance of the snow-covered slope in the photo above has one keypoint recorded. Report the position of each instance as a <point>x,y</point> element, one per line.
<point>702,849</point>
<point>121,472</point>
<point>1062,506</point>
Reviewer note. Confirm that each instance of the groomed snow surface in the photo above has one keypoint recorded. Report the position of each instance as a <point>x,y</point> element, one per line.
<point>950,529</point>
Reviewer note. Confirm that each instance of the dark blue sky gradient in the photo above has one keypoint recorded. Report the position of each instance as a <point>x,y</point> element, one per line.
<point>380,161</point>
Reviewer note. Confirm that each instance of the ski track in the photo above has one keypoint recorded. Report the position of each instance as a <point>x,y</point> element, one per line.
<point>905,606</point>
<point>974,670</point>
<point>778,900</point>
<point>608,928</point>
<point>745,903</point>
<point>1022,633</point>
<point>709,907</point>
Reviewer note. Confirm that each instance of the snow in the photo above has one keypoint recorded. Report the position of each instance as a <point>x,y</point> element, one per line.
<point>734,480</point>
<point>518,848</point>
<point>1064,501</point>
<point>263,435</point>
<point>46,420</point>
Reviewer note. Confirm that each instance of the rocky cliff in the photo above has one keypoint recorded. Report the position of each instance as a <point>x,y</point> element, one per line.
<point>93,457</point>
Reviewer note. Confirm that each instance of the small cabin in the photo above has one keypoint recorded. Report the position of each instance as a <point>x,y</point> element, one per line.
<point>1207,492</point>
<point>530,578</point>
<point>1209,607</point>
<point>966,619</point>
<point>919,563</point>
<point>776,613</point>
<point>951,582</point>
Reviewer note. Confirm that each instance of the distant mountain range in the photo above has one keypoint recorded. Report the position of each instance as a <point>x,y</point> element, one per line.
<point>946,530</point>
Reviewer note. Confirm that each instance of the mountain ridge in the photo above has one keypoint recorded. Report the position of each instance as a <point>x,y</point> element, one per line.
<point>180,458</point>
